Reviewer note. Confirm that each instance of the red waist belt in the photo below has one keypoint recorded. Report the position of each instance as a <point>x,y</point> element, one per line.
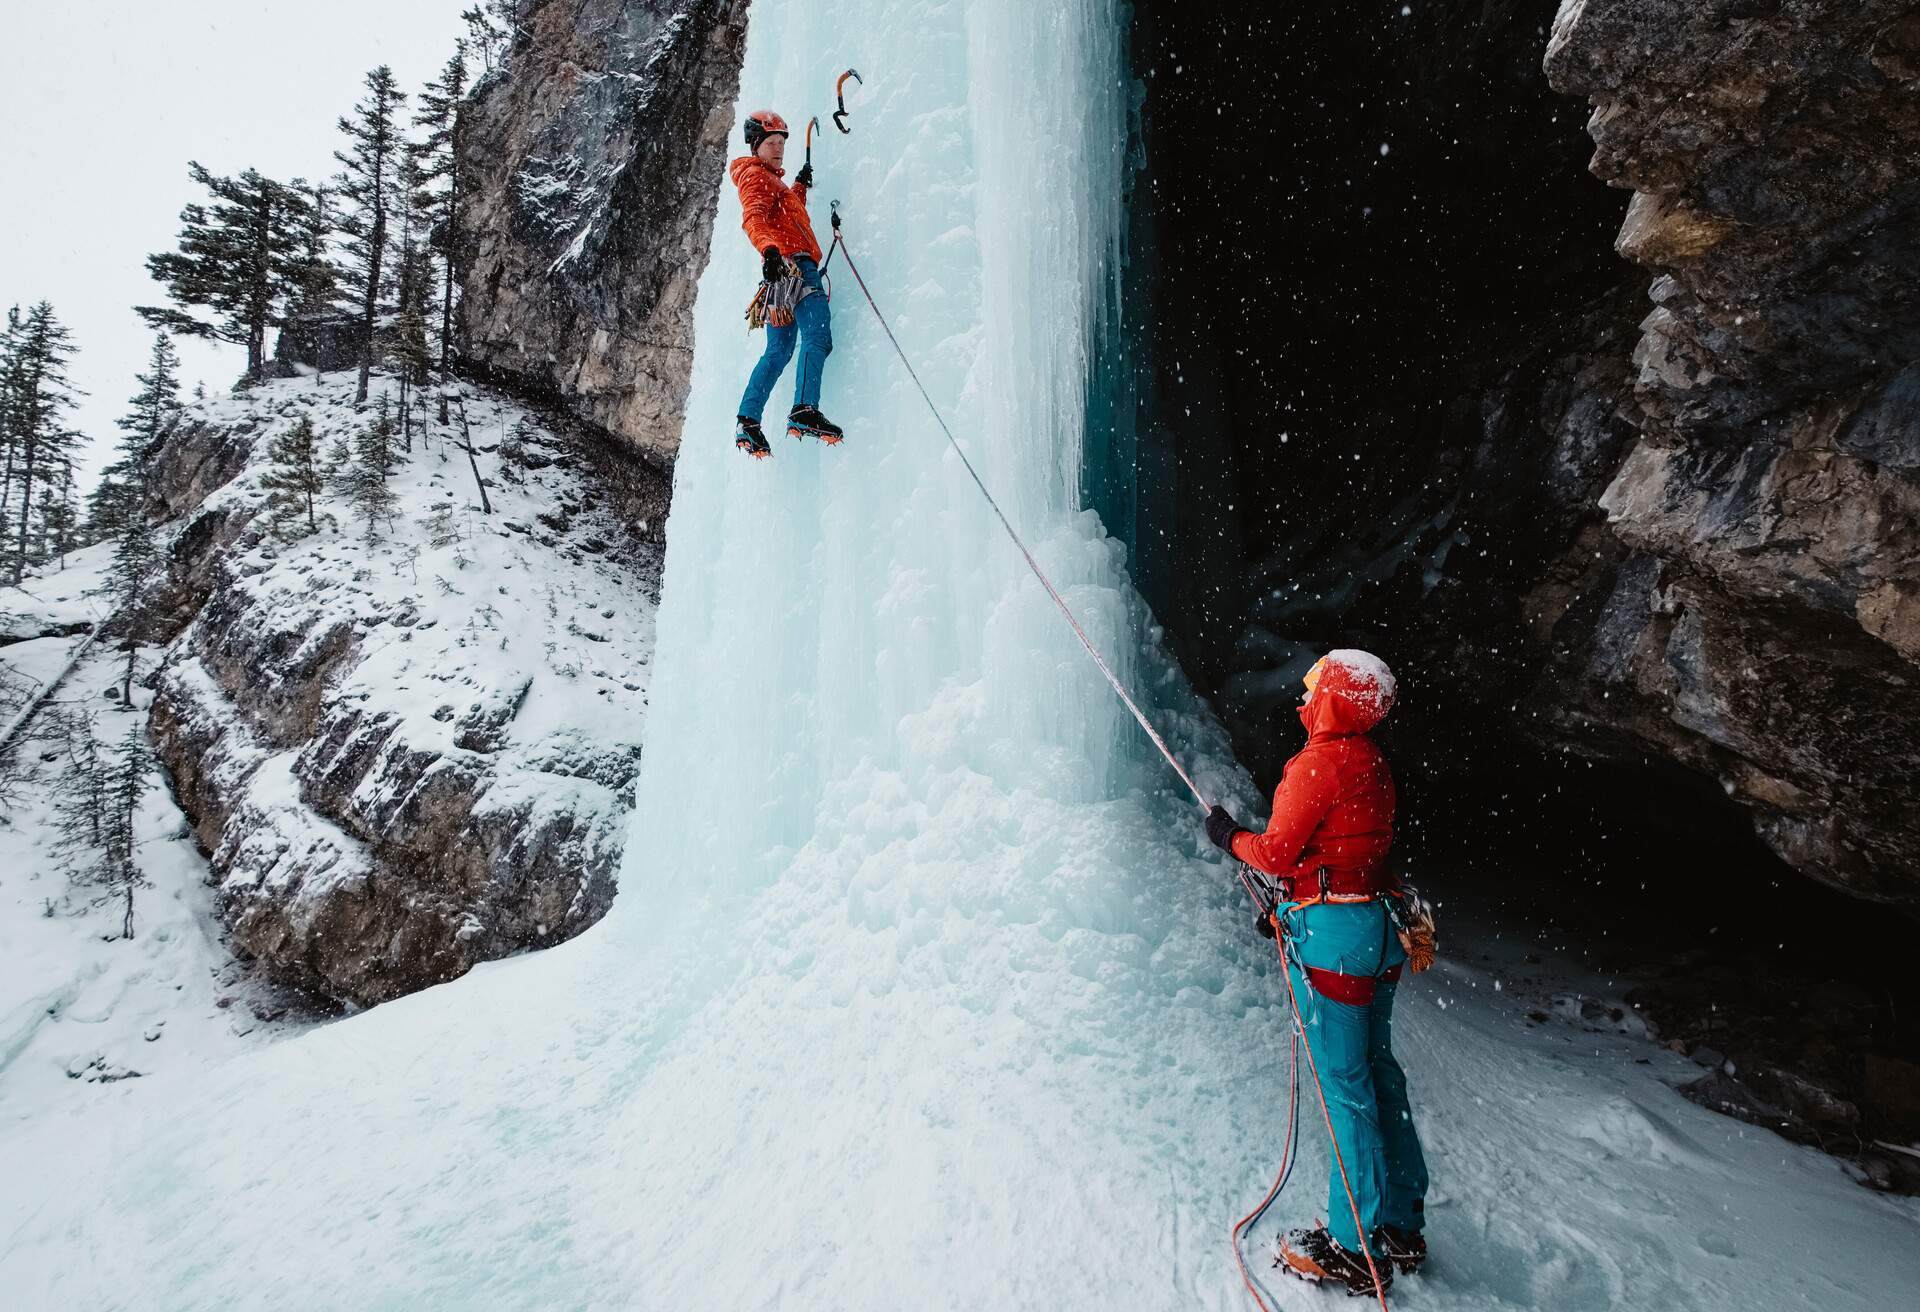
<point>1354,990</point>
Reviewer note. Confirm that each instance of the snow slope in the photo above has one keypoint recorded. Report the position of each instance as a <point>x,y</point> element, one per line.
<point>81,1008</point>
<point>923,989</point>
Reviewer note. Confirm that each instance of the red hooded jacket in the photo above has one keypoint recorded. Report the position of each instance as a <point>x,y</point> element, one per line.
<point>773,213</point>
<point>1334,806</point>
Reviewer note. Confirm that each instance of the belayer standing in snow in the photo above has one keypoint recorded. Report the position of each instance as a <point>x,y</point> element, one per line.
<point>791,302</point>
<point>1327,846</point>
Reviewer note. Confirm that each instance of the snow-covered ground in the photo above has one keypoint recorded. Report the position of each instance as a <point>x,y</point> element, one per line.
<point>57,598</point>
<point>456,1148</point>
<point>453,610</point>
<point>81,1007</point>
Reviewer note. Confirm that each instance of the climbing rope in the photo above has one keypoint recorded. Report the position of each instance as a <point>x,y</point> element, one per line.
<point>1032,564</point>
<point>1251,1219</point>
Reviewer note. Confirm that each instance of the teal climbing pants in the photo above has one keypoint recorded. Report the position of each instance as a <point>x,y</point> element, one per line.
<point>1365,1088</point>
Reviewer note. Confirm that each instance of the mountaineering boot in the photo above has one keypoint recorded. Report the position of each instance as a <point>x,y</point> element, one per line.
<point>748,437</point>
<point>1314,1255</point>
<point>805,419</point>
<point>1406,1249</point>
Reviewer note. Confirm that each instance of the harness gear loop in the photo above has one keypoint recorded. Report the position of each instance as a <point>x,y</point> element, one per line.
<point>1113,680</point>
<point>1413,919</point>
<point>840,95</point>
<point>772,305</point>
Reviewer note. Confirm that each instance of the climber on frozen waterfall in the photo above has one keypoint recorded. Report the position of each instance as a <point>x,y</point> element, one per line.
<point>791,302</point>
<point>1326,845</point>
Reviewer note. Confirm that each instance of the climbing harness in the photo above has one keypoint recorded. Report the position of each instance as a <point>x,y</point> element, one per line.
<point>840,95</point>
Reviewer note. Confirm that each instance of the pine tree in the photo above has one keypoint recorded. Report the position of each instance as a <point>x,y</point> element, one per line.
<point>366,185</point>
<point>59,516</point>
<point>364,479</point>
<point>135,563</point>
<point>295,476</point>
<point>12,392</point>
<point>151,409</point>
<point>315,276</point>
<point>126,784</point>
<point>238,259</point>
<point>80,809</point>
<point>149,413</point>
<point>414,357</point>
<point>490,28</point>
<point>412,354</point>
<point>440,115</point>
<point>41,396</point>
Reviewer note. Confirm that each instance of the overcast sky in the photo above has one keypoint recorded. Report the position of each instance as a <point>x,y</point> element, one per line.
<point>103,102</point>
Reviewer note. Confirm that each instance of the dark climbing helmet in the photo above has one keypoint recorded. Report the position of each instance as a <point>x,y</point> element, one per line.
<point>764,123</point>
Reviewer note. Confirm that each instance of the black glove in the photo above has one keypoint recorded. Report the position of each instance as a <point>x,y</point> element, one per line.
<point>805,177</point>
<point>772,267</point>
<point>1263,924</point>
<point>1221,828</point>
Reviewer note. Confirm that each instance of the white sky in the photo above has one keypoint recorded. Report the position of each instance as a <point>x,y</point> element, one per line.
<point>103,102</point>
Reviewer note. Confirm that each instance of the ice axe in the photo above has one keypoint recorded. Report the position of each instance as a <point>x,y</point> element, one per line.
<point>812,123</point>
<point>840,95</point>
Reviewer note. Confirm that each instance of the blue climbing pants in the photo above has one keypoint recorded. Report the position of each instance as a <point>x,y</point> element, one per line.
<point>1365,1088</point>
<point>812,328</point>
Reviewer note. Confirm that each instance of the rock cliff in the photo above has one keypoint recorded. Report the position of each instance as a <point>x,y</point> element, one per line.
<point>407,744</point>
<point>594,159</point>
<point>1652,519</point>
<point>1764,623</point>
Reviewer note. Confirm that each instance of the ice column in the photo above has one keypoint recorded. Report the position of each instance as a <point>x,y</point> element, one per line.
<point>834,611</point>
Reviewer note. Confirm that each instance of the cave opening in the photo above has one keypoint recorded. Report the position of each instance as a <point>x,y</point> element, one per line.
<point>1349,229</point>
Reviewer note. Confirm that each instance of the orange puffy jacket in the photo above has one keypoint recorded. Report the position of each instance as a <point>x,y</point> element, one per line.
<point>1334,805</point>
<point>773,213</point>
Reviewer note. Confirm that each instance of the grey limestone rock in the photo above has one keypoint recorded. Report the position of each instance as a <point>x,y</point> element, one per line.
<point>596,159</point>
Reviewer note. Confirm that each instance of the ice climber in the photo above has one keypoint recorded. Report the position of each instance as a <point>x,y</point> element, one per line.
<point>791,301</point>
<point>1327,846</point>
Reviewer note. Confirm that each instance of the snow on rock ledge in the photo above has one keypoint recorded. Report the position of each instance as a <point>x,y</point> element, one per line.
<point>412,756</point>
